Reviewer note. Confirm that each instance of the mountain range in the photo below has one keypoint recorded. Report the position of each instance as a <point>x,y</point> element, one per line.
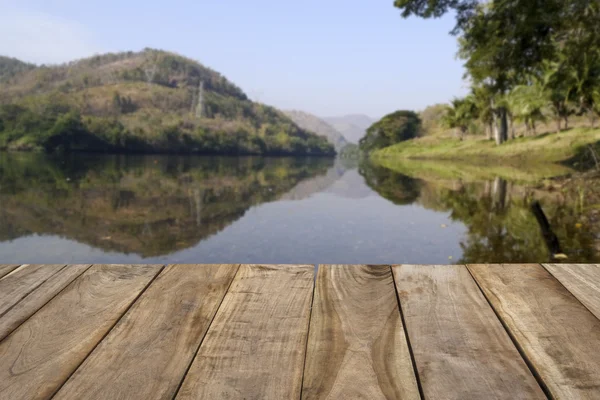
<point>353,127</point>
<point>317,125</point>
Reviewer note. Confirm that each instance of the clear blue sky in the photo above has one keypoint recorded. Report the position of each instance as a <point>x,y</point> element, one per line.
<point>327,57</point>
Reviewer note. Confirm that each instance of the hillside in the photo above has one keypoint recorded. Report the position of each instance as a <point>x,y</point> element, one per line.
<point>314,124</point>
<point>148,101</point>
<point>353,127</point>
<point>9,67</point>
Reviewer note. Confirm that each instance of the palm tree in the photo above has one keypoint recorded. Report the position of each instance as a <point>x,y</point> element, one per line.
<point>460,113</point>
<point>527,103</point>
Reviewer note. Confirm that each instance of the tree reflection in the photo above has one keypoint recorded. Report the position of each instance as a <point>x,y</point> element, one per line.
<point>497,214</point>
<point>148,205</point>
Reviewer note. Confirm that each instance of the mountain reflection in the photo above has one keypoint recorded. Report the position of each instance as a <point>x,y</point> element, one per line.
<point>332,210</point>
<point>147,205</point>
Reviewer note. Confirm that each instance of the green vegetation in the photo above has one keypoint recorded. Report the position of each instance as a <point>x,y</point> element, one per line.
<point>151,101</point>
<point>393,128</point>
<point>529,62</point>
<point>572,148</point>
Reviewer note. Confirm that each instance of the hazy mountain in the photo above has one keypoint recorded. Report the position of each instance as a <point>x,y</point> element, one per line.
<point>315,124</point>
<point>148,101</point>
<point>353,127</point>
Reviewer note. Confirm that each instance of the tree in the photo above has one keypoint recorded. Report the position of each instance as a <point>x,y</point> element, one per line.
<point>436,8</point>
<point>391,129</point>
<point>460,114</point>
<point>483,98</point>
<point>527,103</point>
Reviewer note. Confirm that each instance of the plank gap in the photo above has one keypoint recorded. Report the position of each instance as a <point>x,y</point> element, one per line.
<point>33,287</point>
<point>107,332</point>
<point>521,351</point>
<point>187,370</point>
<point>312,302</point>
<point>410,349</point>
<point>38,308</point>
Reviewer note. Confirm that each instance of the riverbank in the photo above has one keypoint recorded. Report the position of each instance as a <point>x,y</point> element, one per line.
<point>569,147</point>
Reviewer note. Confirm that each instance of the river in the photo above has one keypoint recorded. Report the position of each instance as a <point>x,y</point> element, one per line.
<point>168,209</point>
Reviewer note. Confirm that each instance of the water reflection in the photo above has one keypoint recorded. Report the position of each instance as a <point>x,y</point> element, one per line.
<point>501,226</point>
<point>286,210</point>
<point>145,205</point>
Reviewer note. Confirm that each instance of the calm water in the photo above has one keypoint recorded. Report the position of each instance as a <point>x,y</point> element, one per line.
<point>162,209</point>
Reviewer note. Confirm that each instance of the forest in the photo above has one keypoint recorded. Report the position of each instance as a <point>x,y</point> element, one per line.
<point>533,67</point>
<point>146,102</point>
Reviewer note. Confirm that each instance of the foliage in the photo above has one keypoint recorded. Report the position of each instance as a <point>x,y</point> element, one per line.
<point>391,129</point>
<point>142,102</point>
<point>432,119</point>
<point>460,114</point>
<point>546,51</point>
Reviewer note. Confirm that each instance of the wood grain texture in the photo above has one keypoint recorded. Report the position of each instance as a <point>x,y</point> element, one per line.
<point>39,356</point>
<point>357,348</point>
<point>6,269</point>
<point>460,347</point>
<point>255,347</point>
<point>582,280</point>
<point>148,352</point>
<point>37,298</point>
<point>559,336</point>
<point>14,287</point>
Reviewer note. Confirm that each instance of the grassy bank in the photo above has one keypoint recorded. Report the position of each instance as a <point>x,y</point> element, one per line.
<point>569,147</point>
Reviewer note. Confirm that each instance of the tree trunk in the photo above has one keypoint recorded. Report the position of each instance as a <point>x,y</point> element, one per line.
<point>566,117</point>
<point>490,131</point>
<point>558,125</point>
<point>499,194</point>
<point>502,132</point>
<point>512,127</point>
<point>534,128</point>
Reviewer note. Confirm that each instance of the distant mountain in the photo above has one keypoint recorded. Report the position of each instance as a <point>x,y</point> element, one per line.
<point>151,101</point>
<point>315,124</point>
<point>353,127</point>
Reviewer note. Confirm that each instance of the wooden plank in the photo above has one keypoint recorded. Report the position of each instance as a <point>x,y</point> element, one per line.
<point>39,356</point>
<point>357,346</point>
<point>558,335</point>
<point>40,296</point>
<point>255,346</point>
<point>148,352</point>
<point>6,269</point>
<point>19,284</point>
<point>460,347</point>
<point>582,280</point>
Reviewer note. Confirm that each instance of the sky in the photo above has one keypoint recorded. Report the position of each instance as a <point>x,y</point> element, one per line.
<point>326,57</point>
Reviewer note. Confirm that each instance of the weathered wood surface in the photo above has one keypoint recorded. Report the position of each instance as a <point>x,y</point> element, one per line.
<point>255,346</point>
<point>148,352</point>
<point>223,331</point>
<point>559,336</point>
<point>357,347</point>
<point>6,269</point>
<point>16,286</point>
<point>460,348</point>
<point>39,356</point>
<point>38,298</point>
<point>582,280</point>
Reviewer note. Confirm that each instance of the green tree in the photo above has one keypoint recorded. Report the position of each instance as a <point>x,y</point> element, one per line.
<point>460,114</point>
<point>391,129</point>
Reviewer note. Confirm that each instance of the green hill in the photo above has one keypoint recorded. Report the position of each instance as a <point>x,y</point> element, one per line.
<point>148,101</point>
